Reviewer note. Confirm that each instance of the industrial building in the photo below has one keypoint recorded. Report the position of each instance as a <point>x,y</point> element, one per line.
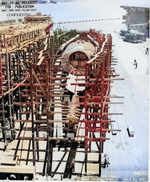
<point>137,18</point>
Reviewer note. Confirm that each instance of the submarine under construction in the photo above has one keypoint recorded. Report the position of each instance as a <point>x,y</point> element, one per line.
<point>55,94</point>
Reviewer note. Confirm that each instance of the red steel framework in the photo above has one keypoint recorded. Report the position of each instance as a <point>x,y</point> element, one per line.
<point>97,96</point>
<point>34,90</point>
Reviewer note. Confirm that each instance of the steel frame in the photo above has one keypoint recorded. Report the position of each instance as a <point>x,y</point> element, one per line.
<point>98,77</point>
<point>34,90</point>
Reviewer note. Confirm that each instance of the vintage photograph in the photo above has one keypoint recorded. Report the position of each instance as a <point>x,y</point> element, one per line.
<point>74,90</point>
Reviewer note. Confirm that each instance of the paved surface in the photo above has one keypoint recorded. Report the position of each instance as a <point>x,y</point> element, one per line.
<point>129,156</point>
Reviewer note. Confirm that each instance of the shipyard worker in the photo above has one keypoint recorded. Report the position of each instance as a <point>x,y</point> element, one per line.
<point>106,160</point>
<point>135,63</point>
<point>147,51</point>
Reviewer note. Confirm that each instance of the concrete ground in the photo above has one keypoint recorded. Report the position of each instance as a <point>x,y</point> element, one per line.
<point>128,156</point>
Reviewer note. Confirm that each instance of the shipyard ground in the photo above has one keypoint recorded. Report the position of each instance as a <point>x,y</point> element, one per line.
<point>128,156</point>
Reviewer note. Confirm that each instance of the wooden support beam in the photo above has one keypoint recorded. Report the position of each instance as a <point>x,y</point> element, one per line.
<point>42,58</point>
<point>112,79</point>
<point>71,160</point>
<point>28,152</point>
<point>45,160</point>
<point>60,161</point>
<point>104,114</point>
<point>102,139</point>
<point>112,102</point>
<point>39,82</point>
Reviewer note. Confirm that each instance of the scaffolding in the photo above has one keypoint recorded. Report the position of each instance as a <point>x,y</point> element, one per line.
<point>35,104</point>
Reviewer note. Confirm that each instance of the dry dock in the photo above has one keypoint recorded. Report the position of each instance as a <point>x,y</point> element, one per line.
<point>32,135</point>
